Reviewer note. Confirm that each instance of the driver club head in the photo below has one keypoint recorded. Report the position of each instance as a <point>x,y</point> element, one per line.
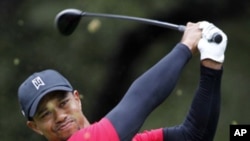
<point>67,20</point>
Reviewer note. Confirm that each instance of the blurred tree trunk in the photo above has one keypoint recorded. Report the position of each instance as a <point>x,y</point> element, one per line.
<point>135,42</point>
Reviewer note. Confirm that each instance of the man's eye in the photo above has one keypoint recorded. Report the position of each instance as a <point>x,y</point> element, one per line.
<point>45,114</point>
<point>64,102</point>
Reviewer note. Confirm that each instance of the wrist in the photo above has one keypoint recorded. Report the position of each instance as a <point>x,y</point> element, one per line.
<point>211,64</point>
<point>191,46</point>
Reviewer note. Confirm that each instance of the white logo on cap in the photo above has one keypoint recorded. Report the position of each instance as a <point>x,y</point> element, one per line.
<point>23,113</point>
<point>37,82</point>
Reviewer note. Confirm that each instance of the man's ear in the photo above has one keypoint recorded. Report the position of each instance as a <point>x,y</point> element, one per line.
<point>77,96</point>
<point>33,126</point>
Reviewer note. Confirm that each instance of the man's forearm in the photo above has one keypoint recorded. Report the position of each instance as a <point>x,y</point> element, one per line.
<point>202,119</point>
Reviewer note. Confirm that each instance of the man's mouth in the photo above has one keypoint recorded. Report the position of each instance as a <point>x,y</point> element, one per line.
<point>64,126</point>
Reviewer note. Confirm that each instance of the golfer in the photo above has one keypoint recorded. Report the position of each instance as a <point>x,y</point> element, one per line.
<point>53,107</point>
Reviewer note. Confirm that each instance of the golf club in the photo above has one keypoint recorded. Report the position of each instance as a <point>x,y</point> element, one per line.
<point>67,20</point>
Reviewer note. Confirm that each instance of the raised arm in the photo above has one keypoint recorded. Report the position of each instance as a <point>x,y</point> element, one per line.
<point>201,121</point>
<point>153,87</point>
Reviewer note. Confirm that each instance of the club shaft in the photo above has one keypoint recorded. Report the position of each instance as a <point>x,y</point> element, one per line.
<point>180,28</point>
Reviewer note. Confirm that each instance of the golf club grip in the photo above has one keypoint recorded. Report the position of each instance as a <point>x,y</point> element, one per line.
<point>217,38</point>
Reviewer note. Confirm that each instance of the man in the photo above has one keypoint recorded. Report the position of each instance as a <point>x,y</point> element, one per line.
<point>53,108</point>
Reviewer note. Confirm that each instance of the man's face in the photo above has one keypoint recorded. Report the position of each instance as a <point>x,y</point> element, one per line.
<point>58,116</point>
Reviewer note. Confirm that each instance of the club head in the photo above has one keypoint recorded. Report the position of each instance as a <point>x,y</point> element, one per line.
<point>67,20</point>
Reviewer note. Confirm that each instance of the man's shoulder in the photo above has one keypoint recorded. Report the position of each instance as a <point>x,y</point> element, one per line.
<point>96,132</point>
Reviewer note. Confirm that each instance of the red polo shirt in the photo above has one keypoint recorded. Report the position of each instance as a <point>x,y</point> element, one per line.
<point>104,131</point>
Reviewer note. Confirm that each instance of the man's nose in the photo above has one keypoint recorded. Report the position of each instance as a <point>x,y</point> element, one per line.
<point>60,115</point>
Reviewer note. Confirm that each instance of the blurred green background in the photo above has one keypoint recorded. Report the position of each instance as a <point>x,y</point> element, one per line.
<point>103,56</point>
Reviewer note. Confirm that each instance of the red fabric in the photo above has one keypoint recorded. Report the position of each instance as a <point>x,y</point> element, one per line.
<point>100,131</point>
<point>104,131</point>
<point>153,135</point>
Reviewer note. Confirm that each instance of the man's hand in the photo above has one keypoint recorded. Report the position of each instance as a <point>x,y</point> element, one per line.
<point>211,50</point>
<point>192,36</point>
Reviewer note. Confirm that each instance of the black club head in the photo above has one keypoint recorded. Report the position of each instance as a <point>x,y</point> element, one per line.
<point>67,20</point>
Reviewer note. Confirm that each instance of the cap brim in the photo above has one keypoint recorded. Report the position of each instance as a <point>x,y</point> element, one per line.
<point>37,100</point>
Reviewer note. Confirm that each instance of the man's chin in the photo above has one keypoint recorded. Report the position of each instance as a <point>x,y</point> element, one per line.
<point>66,134</point>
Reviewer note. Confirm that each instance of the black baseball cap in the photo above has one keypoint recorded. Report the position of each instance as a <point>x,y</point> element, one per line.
<point>36,86</point>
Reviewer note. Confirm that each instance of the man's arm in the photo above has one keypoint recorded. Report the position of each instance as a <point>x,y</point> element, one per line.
<point>153,87</point>
<point>201,121</point>
<point>147,92</point>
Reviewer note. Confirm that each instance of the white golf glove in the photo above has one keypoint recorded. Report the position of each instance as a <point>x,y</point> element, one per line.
<point>209,49</point>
